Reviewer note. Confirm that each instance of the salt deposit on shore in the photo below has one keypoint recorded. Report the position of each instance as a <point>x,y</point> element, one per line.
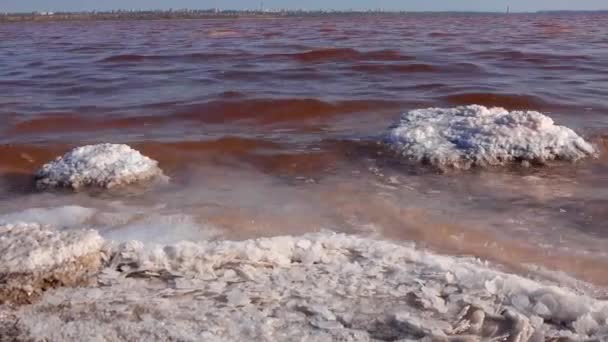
<point>67,284</point>
<point>101,166</point>
<point>319,287</point>
<point>35,257</point>
<point>468,136</point>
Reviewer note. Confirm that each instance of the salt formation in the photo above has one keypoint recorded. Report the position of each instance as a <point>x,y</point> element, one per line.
<point>34,258</point>
<point>464,137</point>
<point>102,166</point>
<point>318,287</point>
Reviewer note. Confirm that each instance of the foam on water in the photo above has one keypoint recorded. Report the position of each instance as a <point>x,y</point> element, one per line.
<point>102,166</point>
<point>321,286</point>
<point>120,223</point>
<point>468,136</point>
<point>155,228</point>
<point>72,216</point>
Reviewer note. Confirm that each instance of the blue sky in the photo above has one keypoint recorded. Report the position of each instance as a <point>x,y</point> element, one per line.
<point>414,5</point>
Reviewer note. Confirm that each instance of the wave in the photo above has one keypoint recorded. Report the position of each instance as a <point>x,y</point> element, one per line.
<point>173,156</point>
<point>272,111</point>
<point>224,33</point>
<point>553,29</point>
<point>228,144</point>
<point>48,122</point>
<point>347,54</point>
<point>299,74</point>
<point>92,49</point>
<point>296,164</point>
<point>509,101</point>
<point>395,68</point>
<point>231,94</point>
<point>186,57</point>
<point>24,159</point>
<point>398,68</point>
<point>270,157</point>
<point>438,34</point>
<point>464,67</point>
<point>266,155</point>
<point>126,58</point>
<point>530,57</point>
<point>74,122</point>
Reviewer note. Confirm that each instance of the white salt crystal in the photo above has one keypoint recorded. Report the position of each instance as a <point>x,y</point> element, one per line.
<point>101,166</point>
<point>474,135</point>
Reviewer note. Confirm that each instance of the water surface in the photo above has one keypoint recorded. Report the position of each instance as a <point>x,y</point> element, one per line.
<point>271,127</point>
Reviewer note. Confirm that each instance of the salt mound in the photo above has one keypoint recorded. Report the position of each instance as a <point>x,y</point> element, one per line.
<point>34,258</point>
<point>318,287</point>
<point>474,135</point>
<point>102,166</point>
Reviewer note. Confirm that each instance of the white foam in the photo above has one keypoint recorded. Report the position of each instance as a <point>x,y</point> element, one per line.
<point>71,216</point>
<point>120,223</point>
<point>474,135</point>
<point>102,166</point>
<point>318,287</point>
<point>155,228</point>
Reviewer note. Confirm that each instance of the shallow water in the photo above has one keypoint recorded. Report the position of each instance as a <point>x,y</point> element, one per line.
<point>271,127</point>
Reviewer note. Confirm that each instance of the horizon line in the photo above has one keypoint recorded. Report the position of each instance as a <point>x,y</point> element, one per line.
<point>292,10</point>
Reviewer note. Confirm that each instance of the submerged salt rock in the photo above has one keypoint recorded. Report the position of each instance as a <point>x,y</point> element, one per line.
<point>474,135</point>
<point>34,258</point>
<point>102,166</point>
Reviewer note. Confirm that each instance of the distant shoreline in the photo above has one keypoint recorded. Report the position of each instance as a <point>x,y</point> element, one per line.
<point>15,18</point>
<point>210,14</point>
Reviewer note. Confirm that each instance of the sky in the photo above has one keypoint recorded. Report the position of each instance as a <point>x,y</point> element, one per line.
<point>411,5</point>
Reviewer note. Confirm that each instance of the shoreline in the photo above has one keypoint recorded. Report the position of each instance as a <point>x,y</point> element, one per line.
<point>322,286</point>
<point>46,17</point>
<point>108,18</point>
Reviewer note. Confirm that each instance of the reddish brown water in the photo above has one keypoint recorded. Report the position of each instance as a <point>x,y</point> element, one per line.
<point>271,126</point>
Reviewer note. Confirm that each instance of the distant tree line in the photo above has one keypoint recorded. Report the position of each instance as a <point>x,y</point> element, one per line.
<point>212,14</point>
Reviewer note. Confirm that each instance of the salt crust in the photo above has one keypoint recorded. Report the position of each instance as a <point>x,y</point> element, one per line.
<point>30,247</point>
<point>468,136</point>
<point>102,166</point>
<point>316,287</point>
<point>34,258</point>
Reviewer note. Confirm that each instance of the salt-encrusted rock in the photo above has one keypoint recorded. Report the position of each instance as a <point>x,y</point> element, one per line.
<point>98,166</point>
<point>34,258</point>
<point>468,136</point>
<point>318,287</point>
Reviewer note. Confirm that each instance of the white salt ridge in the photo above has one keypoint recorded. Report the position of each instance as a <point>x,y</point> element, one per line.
<point>468,136</point>
<point>318,287</point>
<point>31,247</point>
<point>34,258</point>
<point>101,166</point>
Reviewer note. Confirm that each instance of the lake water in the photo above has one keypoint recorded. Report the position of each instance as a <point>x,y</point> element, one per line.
<point>272,127</point>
